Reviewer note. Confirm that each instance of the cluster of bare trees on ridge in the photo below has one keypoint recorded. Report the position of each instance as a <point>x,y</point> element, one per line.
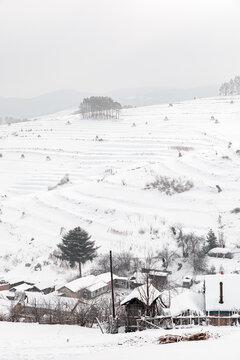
<point>99,107</point>
<point>232,87</point>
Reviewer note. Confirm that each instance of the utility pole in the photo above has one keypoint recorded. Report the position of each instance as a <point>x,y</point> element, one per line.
<point>112,287</point>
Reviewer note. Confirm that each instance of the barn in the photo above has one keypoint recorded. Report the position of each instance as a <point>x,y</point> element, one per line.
<point>141,301</point>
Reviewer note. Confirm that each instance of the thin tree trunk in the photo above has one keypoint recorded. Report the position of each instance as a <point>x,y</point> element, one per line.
<point>80,269</point>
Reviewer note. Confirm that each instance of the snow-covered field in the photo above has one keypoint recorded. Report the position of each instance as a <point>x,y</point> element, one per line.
<point>106,194</point>
<point>45,342</point>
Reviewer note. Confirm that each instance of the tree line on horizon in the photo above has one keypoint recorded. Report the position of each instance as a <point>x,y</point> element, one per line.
<point>232,87</point>
<point>99,107</point>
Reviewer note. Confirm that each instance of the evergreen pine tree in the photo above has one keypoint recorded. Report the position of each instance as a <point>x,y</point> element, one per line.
<point>76,247</point>
<point>211,240</point>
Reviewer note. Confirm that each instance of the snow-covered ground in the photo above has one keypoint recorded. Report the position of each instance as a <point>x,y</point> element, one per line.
<point>106,194</point>
<point>45,342</point>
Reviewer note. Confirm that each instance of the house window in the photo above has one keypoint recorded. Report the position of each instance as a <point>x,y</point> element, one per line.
<point>221,293</point>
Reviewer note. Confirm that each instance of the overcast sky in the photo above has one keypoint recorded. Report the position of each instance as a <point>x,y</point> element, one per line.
<point>100,45</point>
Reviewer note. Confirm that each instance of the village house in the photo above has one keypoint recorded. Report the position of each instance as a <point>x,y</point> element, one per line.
<point>43,287</point>
<point>222,298</point>
<point>218,252</point>
<point>118,281</point>
<point>4,285</point>
<point>16,282</point>
<point>216,303</point>
<point>76,287</point>
<point>89,287</point>
<point>21,287</point>
<point>159,278</point>
<point>94,290</point>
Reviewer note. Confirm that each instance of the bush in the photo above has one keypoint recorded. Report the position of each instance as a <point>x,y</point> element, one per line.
<point>170,186</point>
<point>182,148</point>
<point>235,211</point>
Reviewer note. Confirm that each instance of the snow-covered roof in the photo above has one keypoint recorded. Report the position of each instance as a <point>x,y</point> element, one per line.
<point>219,250</point>
<point>188,300</point>
<point>106,277</point>
<point>187,279</point>
<point>41,285</point>
<point>141,292</point>
<point>158,273</point>
<point>230,288</point>
<point>98,285</point>
<point>80,283</point>
<point>22,287</point>
<point>49,301</point>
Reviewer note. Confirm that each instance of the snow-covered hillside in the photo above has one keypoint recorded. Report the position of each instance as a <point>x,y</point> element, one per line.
<point>109,163</point>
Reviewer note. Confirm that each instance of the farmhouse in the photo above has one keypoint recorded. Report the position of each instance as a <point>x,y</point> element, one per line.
<point>43,287</point>
<point>159,278</point>
<point>141,301</point>
<point>21,287</point>
<point>117,280</point>
<point>94,290</point>
<point>221,253</point>
<point>76,287</point>
<point>89,287</point>
<point>222,298</point>
<point>4,285</point>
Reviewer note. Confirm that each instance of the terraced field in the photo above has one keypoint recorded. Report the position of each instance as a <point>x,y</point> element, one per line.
<point>108,163</point>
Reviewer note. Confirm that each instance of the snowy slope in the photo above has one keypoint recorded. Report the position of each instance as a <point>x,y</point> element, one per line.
<point>106,194</point>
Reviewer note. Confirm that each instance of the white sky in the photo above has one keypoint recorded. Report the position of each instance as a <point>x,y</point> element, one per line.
<point>100,45</point>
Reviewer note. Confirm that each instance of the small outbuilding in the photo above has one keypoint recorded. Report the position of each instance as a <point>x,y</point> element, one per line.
<point>140,302</point>
<point>187,281</point>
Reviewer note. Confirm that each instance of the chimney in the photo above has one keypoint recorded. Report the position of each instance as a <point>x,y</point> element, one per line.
<point>221,293</point>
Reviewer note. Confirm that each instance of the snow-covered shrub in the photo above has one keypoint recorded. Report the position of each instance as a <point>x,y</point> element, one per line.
<point>170,186</point>
<point>182,148</point>
<point>225,157</point>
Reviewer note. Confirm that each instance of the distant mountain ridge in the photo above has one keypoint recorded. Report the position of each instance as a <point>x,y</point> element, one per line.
<point>63,99</point>
<point>40,105</point>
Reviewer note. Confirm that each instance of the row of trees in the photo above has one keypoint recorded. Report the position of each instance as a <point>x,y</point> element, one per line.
<point>231,87</point>
<point>99,107</point>
<point>77,248</point>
